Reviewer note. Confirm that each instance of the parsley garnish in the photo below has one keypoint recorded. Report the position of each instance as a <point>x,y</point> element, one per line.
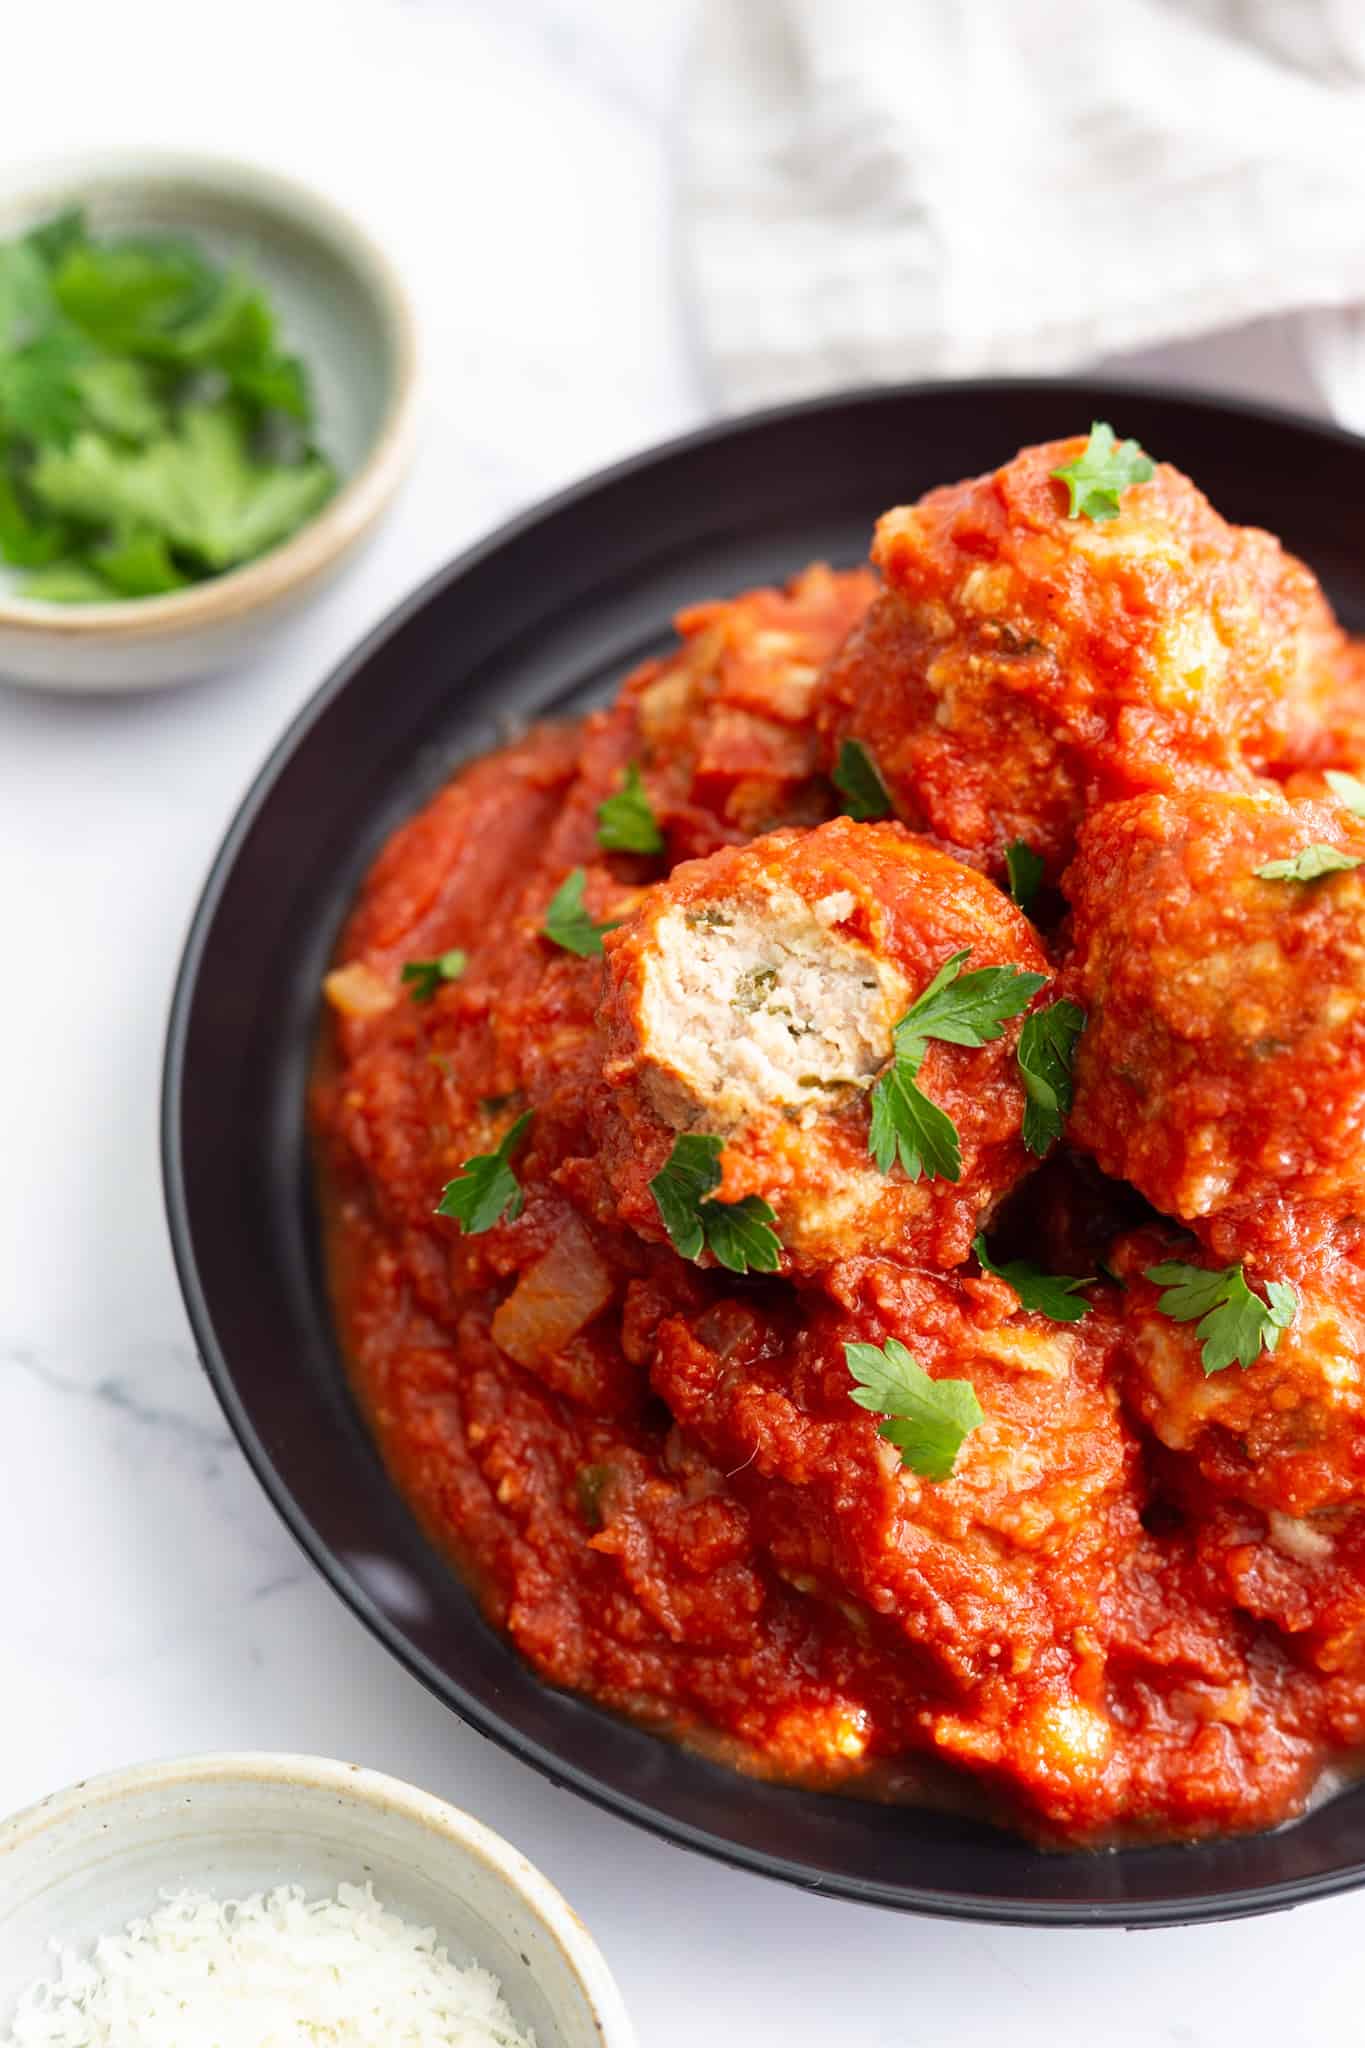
<point>487,1189</point>
<point>1055,1295</point>
<point>1235,1325</point>
<point>1348,789</point>
<point>858,780</point>
<point>928,1420</point>
<point>1100,472</point>
<point>738,1234</point>
<point>568,924</point>
<point>152,431</point>
<point>1047,1047</point>
<point>960,1009</point>
<point>426,976</point>
<point>1309,866</point>
<point>625,822</point>
<point>1025,873</point>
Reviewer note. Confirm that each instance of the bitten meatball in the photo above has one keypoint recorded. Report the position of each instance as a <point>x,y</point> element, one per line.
<point>982,1571</point>
<point>752,998</point>
<point>1285,1433</point>
<point>1023,664</point>
<point>1222,1068</point>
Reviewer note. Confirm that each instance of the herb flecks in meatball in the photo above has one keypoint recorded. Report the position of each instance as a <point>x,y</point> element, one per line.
<point>763,1004</point>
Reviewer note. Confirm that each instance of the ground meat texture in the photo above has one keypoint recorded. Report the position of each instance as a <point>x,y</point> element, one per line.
<point>1286,1433</point>
<point>752,997</point>
<point>1222,1068</point>
<point>1022,664</point>
<point>982,1574</point>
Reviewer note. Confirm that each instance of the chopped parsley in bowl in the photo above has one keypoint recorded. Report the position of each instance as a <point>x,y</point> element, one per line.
<point>153,429</point>
<point>207,399</point>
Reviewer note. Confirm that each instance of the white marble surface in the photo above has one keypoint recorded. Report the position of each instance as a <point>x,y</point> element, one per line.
<point>518,155</point>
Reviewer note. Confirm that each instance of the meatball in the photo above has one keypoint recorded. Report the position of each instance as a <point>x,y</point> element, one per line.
<point>1336,740</point>
<point>1286,1433</point>
<point>722,730</point>
<point>982,1572</point>
<point>1222,1069</point>
<point>1022,665</point>
<point>1304,1574</point>
<point>1216,1734</point>
<point>752,998</point>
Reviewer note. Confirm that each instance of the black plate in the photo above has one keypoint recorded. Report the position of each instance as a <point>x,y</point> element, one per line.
<point>548,614</point>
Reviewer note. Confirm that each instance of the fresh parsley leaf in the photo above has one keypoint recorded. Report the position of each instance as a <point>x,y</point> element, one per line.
<point>54,237</point>
<point>39,397</point>
<point>568,924</point>
<point>487,1189</point>
<point>277,383</point>
<point>690,1173</point>
<point>426,976</point>
<point>1025,872</point>
<point>928,1420</point>
<point>235,328</point>
<point>858,780</point>
<point>1047,1047</point>
<point>965,1009</point>
<point>200,489</point>
<point>138,565</point>
<point>1348,789</point>
<point>1056,1295</point>
<point>960,1009</point>
<point>29,538</point>
<point>1235,1325</point>
<point>119,397</point>
<point>68,583</point>
<point>1104,468</point>
<point>907,1126</point>
<point>625,822</point>
<point>27,308</point>
<point>739,1235</point>
<point>1309,866</point>
<point>130,295</point>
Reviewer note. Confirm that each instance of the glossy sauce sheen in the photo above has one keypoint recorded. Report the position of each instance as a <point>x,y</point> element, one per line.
<point>651,1470</point>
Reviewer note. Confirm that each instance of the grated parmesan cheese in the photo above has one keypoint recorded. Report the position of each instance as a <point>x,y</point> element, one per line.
<point>271,1971</point>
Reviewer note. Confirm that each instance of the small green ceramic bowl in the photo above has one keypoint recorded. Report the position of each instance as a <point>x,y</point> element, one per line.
<point>342,308</point>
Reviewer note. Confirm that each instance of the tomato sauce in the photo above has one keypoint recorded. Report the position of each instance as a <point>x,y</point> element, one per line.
<point>650,1470</point>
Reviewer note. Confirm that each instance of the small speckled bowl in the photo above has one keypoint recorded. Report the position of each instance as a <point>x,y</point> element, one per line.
<point>341,307</point>
<point>85,1861</point>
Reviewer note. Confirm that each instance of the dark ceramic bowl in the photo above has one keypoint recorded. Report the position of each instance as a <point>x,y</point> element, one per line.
<point>547,616</point>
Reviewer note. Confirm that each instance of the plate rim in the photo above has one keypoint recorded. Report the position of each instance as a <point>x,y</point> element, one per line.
<point>918,1899</point>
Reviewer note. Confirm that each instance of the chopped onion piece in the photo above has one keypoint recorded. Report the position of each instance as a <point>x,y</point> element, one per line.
<point>357,991</point>
<point>553,1300</point>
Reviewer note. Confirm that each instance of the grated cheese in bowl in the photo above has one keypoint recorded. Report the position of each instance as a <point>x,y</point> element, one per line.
<point>274,1970</point>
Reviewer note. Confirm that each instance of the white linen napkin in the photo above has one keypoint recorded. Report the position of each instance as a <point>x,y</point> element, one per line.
<point>956,187</point>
